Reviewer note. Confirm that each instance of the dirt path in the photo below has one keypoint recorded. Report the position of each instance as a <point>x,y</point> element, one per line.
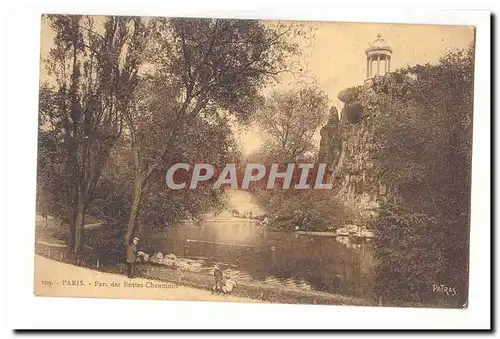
<point>57,279</point>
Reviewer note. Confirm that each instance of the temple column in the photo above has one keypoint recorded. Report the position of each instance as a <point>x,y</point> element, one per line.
<point>388,64</point>
<point>378,64</point>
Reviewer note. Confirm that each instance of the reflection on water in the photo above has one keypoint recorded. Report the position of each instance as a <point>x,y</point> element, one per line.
<point>329,264</point>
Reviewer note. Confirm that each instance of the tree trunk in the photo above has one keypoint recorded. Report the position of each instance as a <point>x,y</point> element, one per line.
<point>136,200</point>
<point>76,227</point>
<point>72,233</point>
<point>138,185</point>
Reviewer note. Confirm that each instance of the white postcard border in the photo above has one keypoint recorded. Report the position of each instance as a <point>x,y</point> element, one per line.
<point>20,124</point>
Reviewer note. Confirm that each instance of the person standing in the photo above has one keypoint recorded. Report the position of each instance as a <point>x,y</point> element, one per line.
<point>131,256</point>
<point>218,279</point>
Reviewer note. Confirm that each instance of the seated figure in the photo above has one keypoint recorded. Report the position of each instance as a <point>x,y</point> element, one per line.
<point>228,285</point>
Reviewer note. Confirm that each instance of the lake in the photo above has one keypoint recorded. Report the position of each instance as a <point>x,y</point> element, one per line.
<point>329,264</point>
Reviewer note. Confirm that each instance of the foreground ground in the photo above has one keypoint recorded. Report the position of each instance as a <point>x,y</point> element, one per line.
<point>57,279</point>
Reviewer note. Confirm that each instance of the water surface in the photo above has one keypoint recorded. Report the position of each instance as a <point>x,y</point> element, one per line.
<point>328,264</point>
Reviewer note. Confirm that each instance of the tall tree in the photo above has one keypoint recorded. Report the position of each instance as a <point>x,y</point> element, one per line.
<point>204,68</point>
<point>290,119</point>
<point>94,66</point>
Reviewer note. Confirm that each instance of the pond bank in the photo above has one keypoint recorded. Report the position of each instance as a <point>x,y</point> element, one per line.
<point>253,290</point>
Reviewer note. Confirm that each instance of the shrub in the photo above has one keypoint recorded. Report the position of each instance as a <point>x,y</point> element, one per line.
<point>416,251</point>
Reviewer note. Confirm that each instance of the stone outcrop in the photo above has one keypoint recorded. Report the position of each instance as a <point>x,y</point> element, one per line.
<point>331,143</point>
<point>347,145</point>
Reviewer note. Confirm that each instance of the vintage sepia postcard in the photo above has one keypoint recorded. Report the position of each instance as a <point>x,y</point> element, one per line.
<point>254,161</point>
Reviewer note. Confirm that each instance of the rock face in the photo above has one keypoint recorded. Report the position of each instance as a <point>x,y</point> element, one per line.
<point>347,146</point>
<point>331,143</point>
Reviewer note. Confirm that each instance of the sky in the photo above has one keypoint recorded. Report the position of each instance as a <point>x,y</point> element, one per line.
<point>335,57</point>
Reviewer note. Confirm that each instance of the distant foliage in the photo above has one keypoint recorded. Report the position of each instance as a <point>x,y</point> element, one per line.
<point>290,119</point>
<point>304,210</point>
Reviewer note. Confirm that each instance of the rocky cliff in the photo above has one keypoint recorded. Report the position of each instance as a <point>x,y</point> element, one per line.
<point>347,145</point>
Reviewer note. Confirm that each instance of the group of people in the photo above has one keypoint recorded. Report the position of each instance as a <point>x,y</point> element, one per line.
<point>223,282</point>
